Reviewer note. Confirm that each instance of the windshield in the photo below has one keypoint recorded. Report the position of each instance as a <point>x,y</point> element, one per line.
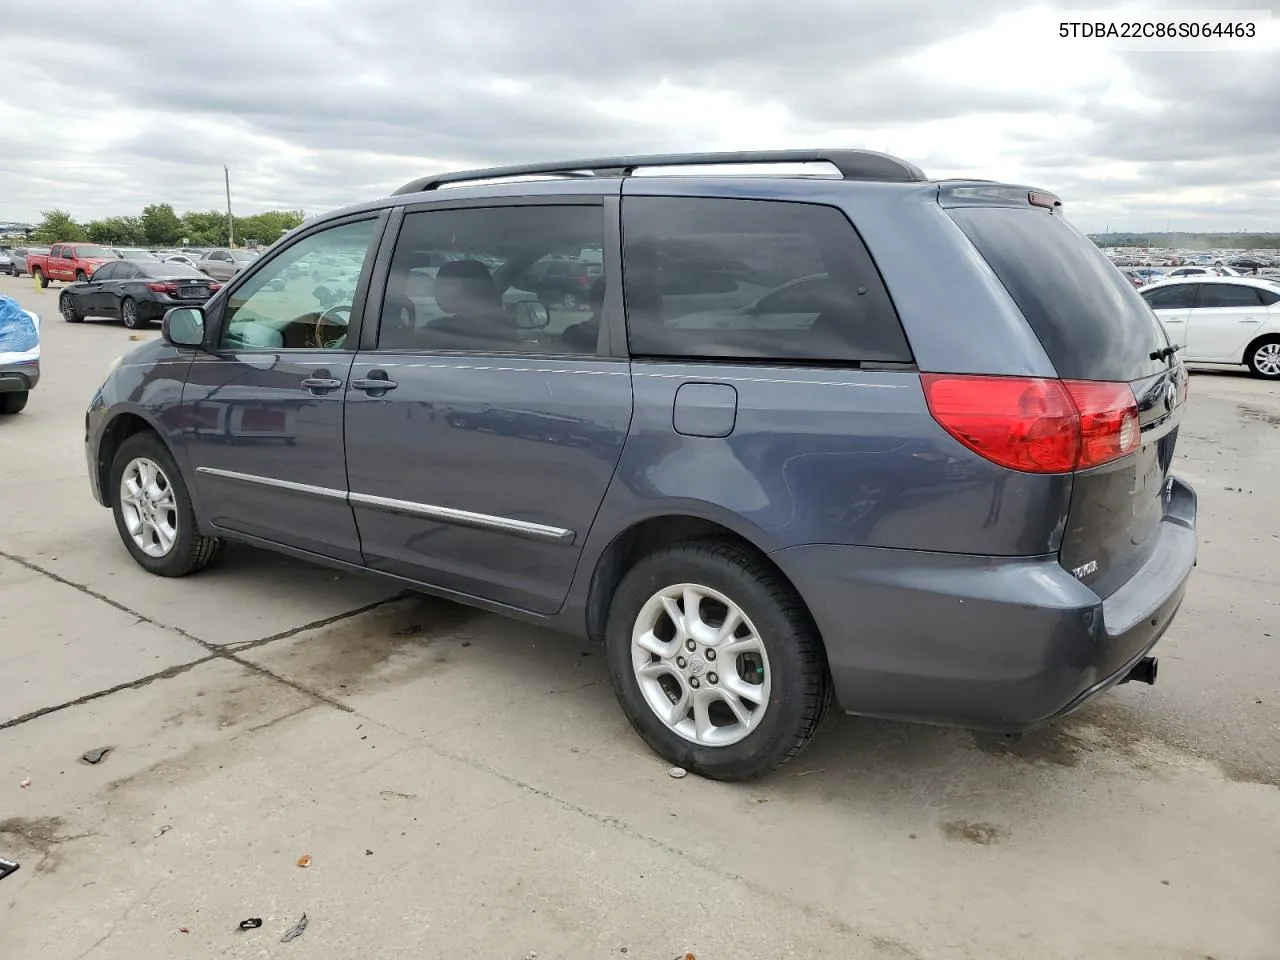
<point>91,252</point>
<point>131,254</point>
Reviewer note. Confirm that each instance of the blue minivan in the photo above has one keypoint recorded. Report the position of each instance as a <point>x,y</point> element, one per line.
<point>822,429</point>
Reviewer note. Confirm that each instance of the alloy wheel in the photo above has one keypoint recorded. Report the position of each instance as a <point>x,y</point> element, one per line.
<point>148,506</point>
<point>700,665</point>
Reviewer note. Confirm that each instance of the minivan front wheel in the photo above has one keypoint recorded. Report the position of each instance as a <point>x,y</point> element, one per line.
<point>153,510</point>
<point>715,661</point>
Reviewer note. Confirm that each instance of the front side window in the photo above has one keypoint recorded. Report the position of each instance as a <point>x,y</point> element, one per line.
<point>105,272</point>
<point>476,280</point>
<point>1180,296</point>
<point>284,307</point>
<point>754,280</point>
<point>1227,295</point>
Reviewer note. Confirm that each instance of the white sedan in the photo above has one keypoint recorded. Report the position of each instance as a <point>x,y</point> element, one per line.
<point>1221,320</point>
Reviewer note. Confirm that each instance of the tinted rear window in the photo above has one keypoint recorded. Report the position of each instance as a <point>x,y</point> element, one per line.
<point>753,280</point>
<point>1091,321</point>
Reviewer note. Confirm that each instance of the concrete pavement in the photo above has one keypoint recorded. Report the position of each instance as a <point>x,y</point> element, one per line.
<point>466,786</point>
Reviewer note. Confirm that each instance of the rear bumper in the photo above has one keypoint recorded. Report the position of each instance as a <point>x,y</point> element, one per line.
<point>18,377</point>
<point>991,643</point>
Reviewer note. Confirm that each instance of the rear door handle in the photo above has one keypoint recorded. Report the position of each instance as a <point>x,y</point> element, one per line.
<point>373,384</point>
<point>321,384</point>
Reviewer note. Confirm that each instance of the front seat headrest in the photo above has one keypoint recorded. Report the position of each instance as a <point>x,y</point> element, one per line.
<point>464,287</point>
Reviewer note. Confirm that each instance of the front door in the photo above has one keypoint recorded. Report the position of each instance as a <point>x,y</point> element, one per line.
<point>90,297</point>
<point>263,409</point>
<point>63,266</point>
<point>483,427</point>
<point>1226,316</point>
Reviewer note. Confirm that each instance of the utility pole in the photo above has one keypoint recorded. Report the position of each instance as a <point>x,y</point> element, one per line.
<point>231,224</point>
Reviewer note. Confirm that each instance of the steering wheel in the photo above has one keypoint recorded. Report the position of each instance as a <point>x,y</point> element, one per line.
<point>339,318</point>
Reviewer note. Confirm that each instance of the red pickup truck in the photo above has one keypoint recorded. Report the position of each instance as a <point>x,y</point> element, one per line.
<point>68,262</point>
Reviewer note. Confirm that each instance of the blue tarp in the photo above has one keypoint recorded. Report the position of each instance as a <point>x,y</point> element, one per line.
<point>18,332</point>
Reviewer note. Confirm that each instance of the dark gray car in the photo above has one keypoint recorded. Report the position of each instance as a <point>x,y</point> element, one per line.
<point>770,465</point>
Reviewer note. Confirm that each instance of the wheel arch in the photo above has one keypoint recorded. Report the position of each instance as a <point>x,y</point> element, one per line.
<point>1272,333</point>
<point>117,430</point>
<point>643,537</point>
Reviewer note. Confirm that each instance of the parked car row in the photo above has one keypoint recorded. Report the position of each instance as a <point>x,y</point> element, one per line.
<point>17,259</point>
<point>76,262</point>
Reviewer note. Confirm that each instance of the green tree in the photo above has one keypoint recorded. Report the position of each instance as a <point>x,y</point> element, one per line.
<point>122,231</point>
<point>56,226</point>
<point>205,229</point>
<point>160,225</point>
<point>267,227</point>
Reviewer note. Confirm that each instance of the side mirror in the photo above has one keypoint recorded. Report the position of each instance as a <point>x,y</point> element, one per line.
<point>532,315</point>
<point>184,327</point>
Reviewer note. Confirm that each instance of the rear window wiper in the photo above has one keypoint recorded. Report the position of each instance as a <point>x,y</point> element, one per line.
<point>1164,353</point>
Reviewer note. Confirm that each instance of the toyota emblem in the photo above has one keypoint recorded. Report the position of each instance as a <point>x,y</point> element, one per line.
<point>1170,396</point>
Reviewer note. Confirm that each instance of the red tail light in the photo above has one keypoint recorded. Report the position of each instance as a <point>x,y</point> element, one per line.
<point>215,287</point>
<point>1036,425</point>
<point>163,287</point>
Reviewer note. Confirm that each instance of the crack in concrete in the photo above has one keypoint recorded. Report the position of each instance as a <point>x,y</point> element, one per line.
<point>165,674</point>
<point>215,652</point>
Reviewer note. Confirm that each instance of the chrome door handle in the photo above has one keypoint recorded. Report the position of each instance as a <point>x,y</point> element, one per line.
<point>321,384</point>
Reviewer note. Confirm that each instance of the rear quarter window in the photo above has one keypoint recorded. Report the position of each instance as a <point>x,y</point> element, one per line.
<point>721,279</point>
<point>1092,323</point>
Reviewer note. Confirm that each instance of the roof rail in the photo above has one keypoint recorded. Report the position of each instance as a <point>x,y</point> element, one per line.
<point>852,164</point>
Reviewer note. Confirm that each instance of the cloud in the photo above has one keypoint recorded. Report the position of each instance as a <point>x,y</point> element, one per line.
<point>317,103</point>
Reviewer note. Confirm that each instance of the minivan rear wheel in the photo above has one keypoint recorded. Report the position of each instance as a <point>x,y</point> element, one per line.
<point>715,660</point>
<point>153,510</point>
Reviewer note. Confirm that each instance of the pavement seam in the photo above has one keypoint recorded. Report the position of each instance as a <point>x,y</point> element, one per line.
<point>215,652</point>
<point>90,592</point>
<point>165,674</point>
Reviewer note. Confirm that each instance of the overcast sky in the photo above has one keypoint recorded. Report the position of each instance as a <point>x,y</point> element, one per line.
<point>318,103</point>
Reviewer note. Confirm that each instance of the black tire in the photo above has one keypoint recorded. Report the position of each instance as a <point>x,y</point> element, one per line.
<point>129,315</point>
<point>38,275</point>
<point>13,402</point>
<point>67,307</point>
<point>800,689</point>
<point>191,551</point>
<point>81,276</point>
<point>1259,355</point>
<point>569,301</point>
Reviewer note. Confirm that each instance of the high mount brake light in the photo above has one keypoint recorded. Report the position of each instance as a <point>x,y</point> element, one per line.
<point>1036,425</point>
